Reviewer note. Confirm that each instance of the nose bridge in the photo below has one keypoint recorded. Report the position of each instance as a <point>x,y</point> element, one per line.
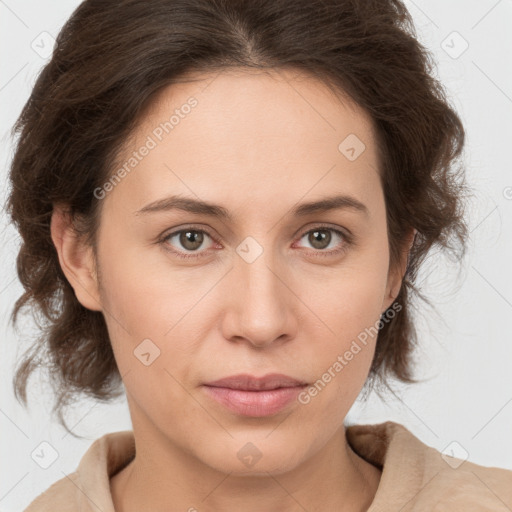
<point>254,269</point>
<point>259,279</point>
<point>260,297</point>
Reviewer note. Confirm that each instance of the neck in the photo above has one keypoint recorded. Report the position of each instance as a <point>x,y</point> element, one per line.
<point>335,478</point>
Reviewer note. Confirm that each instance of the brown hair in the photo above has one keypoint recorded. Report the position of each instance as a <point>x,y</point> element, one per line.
<point>110,60</point>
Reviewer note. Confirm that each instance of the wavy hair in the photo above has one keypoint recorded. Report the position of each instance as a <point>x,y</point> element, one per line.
<point>112,58</point>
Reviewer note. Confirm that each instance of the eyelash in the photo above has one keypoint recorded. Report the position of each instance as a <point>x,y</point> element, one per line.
<point>348,241</point>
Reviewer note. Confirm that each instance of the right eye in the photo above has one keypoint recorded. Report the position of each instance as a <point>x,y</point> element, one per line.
<point>191,239</point>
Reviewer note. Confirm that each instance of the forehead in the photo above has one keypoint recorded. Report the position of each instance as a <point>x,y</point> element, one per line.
<point>254,132</point>
<point>273,104</point>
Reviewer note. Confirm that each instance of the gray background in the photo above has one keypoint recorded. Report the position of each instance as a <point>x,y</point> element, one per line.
<point>464,407</point>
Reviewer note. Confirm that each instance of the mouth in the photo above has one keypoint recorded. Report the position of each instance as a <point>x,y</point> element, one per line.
<point>248,382</point>
<point>251,396</point>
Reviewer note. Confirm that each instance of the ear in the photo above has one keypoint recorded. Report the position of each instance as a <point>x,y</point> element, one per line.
<point>76,259</point>
<point>396,275</point>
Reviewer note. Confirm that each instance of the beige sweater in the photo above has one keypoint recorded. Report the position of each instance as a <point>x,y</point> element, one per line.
<point>415,477</point>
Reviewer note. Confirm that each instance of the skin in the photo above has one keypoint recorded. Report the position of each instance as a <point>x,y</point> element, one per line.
<point>256,143</point>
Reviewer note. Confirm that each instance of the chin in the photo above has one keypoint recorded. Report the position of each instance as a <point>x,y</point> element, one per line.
<point>255,458</point>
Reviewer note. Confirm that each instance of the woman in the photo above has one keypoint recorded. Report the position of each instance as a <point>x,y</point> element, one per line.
<point>224,205</point>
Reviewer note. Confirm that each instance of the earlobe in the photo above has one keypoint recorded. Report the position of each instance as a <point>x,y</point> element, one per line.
<point>396,277</point>
<point>76,259</point>
<point>392,291</point>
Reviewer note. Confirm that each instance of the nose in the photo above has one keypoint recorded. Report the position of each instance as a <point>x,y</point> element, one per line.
<point>261,308</point>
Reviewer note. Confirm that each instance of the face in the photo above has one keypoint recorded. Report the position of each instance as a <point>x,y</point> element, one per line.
<point>190,297</point>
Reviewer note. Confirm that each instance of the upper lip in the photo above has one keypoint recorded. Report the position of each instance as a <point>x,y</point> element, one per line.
<point>252,383</point>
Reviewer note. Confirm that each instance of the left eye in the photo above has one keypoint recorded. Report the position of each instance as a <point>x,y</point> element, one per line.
<point>321,237</point>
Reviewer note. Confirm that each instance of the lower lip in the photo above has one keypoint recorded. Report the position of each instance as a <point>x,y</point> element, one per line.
<point>254,403</point>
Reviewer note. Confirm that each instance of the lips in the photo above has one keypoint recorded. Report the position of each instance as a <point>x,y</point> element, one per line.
<point>247,395</point>
<point>246,382</point>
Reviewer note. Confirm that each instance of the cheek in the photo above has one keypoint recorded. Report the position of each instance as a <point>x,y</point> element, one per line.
<point>350,313</point>
<point>137,288</point>
<point>349,300</point>
<point>341,365</point>
<point>154,313</point>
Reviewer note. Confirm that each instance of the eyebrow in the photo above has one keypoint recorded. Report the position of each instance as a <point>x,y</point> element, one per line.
<point>196,206</point>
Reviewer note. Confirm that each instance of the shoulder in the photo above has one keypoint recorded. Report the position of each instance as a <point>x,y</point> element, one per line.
<point>458,482</point>
<point>58,497</point>
<point>88,488</point>
<point>416,476</point>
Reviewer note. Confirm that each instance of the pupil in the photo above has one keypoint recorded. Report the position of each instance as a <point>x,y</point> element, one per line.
<point>318,238</point>
<point>191,239</point>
